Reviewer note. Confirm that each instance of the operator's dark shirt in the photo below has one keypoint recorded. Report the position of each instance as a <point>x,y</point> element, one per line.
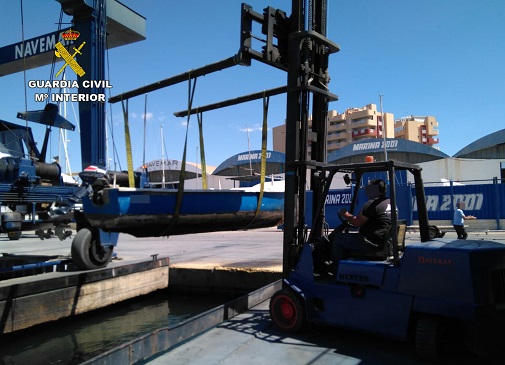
<point>378,212</point>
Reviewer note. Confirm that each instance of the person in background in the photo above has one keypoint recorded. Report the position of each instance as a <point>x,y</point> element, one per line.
<point>458,221</point>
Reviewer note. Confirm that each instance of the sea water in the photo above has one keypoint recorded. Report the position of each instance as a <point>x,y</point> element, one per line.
<point>75,340</point>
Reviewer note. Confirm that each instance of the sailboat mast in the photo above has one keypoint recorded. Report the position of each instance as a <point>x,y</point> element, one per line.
<point>162,160</point>
<point>64,140</point>
<point>145,116</point>
<point>249,149</point>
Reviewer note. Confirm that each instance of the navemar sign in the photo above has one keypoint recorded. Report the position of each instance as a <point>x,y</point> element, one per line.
<point>34,52</point>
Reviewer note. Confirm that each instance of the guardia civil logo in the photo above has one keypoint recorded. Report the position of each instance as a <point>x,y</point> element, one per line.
<point>61,51</point>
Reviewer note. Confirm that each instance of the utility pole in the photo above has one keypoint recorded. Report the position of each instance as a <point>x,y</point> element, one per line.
<point>383,129</point>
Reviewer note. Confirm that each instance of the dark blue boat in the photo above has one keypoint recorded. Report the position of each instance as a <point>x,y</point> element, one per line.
<point>150,212</point>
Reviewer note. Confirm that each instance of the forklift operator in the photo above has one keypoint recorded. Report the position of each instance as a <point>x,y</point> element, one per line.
<point>373,221</point>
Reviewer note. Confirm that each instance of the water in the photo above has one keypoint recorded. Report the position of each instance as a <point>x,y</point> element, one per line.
<point>72,341</point>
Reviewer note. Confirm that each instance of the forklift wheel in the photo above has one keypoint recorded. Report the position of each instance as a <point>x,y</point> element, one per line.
<point>287,311</point>
<point>438,338</point>
<point>427,339</point>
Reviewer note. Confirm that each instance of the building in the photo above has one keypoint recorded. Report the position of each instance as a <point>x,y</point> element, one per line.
<point>240,170</point>
<point>418,129</point>
<point>397,149</point>
<point>357,124</point>
<point>166,173</point>
<point>480,162</point>
<point>244,169</point>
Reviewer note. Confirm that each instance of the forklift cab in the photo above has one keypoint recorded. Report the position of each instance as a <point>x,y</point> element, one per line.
<point>357,175</point>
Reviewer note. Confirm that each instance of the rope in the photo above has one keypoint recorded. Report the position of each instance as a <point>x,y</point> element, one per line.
<point>264,131</point>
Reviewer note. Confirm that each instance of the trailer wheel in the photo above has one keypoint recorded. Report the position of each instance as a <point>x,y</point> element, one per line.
<point>287,311</point>
<point>87,252</point>
<point>14,235</point>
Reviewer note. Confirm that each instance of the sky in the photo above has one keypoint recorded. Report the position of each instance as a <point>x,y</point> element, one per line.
<point>442,58</point>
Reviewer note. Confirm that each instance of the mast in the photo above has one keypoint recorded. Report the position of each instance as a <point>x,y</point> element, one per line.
<point>249,150</point>
<point>145,116</point>
<point>162,160</point>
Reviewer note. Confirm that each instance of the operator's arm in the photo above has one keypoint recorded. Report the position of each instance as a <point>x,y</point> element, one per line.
<point>355,220</point>
<point>469,217</point>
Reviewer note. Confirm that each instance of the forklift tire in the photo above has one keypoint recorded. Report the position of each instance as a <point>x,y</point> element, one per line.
<point>87,252</point>
<point>14,235</point>
<point>287,311</point>
<point>438,338</point>
<point>427,338</point>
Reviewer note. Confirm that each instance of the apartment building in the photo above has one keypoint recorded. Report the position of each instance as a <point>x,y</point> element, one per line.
<point>357,124</point>
<point>418,129</point>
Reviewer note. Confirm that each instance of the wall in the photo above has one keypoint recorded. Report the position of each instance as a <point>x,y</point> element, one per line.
<point>485,201</point>
<point>459,169</point>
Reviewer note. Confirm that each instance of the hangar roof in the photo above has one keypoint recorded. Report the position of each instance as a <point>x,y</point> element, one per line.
<point>397,148</point>
<point>487,147</point>
<point>239,163</point>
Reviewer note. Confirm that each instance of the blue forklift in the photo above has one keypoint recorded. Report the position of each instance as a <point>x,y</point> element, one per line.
<point>435,292</point>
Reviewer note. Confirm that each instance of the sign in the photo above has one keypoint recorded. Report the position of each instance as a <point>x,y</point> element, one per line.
<point>36,52</point>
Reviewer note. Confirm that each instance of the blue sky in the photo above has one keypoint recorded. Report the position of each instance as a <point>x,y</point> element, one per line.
<point>444,58</point>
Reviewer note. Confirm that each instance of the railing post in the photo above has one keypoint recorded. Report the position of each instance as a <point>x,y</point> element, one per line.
<point>496,193</point>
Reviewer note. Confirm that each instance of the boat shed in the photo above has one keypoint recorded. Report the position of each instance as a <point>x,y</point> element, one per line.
<point>482,161</point>
<point>249,164</point>
<point>491,146</point>
<point>397,149</point>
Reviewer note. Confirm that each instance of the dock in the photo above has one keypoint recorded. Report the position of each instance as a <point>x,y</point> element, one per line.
<point>222,262</point>
<point>240,262</point>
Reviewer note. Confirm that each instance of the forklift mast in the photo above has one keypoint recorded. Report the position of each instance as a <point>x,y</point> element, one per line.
<point>308,77</point>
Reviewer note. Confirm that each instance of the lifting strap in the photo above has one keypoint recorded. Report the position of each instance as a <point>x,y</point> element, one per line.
<point>180,190</point>
<point>129,159</point>
<point>264,130</point>
<point>202,151</point>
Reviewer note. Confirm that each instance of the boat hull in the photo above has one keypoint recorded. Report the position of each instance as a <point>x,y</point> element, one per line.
<point>150,212</point>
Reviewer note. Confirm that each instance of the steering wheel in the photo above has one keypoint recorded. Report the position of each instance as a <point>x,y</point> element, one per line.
<point>345,225</point>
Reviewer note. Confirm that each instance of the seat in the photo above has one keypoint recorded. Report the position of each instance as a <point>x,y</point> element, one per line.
<point>387,249</point>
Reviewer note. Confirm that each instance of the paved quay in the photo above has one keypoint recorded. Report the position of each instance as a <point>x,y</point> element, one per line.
<point>250,338</point>
<point>247,337</point>
<point>259,248</point>
<point>252,249</point>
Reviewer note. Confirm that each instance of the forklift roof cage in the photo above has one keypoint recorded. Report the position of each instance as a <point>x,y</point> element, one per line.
<point>329,171</point>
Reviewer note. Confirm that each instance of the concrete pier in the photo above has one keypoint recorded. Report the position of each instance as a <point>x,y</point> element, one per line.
<point>221,262</point>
